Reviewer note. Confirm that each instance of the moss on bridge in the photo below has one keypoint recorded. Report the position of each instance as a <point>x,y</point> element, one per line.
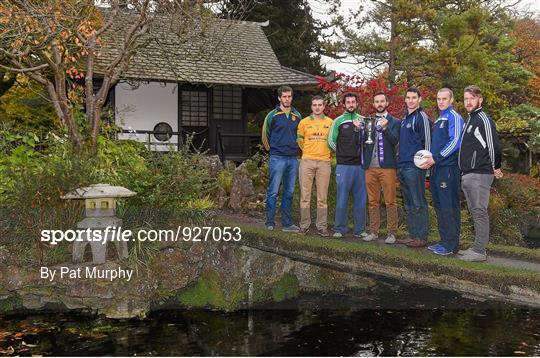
<point>413,265</point>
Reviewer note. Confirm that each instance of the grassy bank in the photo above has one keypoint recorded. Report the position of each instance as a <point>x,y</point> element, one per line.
<point>516,252</point>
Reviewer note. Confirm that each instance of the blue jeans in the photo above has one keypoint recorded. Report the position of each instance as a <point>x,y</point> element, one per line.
<point>444,186</point>
<point>413,188</point>
<point>282,169</point>
<point>350,178</point>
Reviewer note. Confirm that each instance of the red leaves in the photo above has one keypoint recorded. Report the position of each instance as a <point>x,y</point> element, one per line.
<point>338,84</point>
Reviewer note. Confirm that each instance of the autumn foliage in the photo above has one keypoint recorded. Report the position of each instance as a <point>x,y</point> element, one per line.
<point>527,34</point>
<point>334,89</point>
<point>336,85</point>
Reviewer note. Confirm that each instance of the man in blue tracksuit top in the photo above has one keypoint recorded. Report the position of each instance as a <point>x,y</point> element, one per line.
<point>445,173</point>
<point>414,135</point>
<point>279,137</point>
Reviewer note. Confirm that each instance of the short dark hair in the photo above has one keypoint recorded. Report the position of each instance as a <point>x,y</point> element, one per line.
<point>380,93</point>
<point>350,94</point>
<point>282,89</point>
<point>317,97</point>
<point>474,90</point>
<point>414,90</point>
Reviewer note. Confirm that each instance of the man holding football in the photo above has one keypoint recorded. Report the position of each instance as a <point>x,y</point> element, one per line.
<point>445,173</point>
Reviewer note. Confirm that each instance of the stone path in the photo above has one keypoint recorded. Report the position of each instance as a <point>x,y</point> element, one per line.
<point>511,262</point>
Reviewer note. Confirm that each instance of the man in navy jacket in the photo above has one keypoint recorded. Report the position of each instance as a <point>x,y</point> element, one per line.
<point>279,138</point>
<point>380,165</point>
<point>414,135</point>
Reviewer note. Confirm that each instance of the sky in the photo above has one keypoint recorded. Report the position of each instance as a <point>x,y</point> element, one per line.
<point>320,11</point>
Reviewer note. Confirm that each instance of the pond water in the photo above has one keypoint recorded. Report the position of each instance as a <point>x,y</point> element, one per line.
<point>386,320</point>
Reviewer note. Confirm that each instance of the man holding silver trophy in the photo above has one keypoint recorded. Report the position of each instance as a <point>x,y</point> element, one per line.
<point>380,166</point>
<point>346,138</point>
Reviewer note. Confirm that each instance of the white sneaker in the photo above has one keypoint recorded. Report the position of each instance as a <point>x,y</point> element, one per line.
<point>464,252</point>
<point>361,235</point>
<point>337,235</point>
<point>371,237</point>
<point>390,239</point>
<point>473,256</point>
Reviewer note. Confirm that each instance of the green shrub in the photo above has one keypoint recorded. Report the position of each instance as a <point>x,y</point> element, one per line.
<point>514,202</point>
<point>172,188</point>
<point>26,106</point>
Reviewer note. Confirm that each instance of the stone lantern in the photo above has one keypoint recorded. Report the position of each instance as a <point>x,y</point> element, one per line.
<point>100,209</point>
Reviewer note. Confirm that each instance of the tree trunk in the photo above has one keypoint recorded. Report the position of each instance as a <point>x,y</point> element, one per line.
<point>64,111</point>
<point>393,47</point>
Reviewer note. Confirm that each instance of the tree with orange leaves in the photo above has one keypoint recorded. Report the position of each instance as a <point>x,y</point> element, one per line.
<point>527,50</point>
<point>57,43</point>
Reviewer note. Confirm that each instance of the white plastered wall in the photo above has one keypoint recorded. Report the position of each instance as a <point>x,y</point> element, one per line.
<point>143,106</point>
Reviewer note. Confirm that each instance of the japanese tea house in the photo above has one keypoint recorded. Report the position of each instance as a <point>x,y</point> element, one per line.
<point>206,86</point>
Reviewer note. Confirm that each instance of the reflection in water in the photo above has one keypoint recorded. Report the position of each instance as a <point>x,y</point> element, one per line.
<point>389,320</point>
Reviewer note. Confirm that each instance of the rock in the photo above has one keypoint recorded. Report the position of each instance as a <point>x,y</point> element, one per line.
<point>213,164</point>
<point>313,278</point>
<point>174,269</point>
<point>242,190</point>
<point>222,198</point>
<point>32,302</point>
<point>217,275</point>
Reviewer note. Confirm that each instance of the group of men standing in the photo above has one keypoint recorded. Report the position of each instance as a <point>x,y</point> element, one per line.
<point>370,159</point>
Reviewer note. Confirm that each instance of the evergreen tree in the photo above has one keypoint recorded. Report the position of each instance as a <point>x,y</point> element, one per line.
<point>389,34</point>
<point>292,31</point>
<point>435,43</point>
<point>476,46</point>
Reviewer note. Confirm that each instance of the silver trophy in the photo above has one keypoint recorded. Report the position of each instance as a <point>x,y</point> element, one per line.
<point>369,126</point>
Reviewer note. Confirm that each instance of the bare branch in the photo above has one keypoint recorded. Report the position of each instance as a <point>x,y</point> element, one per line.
<point>24,70</point>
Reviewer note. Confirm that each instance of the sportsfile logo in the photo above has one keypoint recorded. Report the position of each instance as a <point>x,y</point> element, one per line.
<point>113,233</point>
<point>110,233</point>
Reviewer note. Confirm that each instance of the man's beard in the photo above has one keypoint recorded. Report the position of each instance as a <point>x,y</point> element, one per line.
<point>475,108</point>
<point>350,110</point>
<point>383,110</point>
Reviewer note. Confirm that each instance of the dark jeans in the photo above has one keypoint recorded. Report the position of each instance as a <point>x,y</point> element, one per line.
<point>413,187</point>
<point>444,186</point>
<point>284,170</point>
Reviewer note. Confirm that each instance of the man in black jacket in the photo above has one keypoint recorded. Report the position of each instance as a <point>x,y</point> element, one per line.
<point>480,162</point>
<point>347,138</point>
